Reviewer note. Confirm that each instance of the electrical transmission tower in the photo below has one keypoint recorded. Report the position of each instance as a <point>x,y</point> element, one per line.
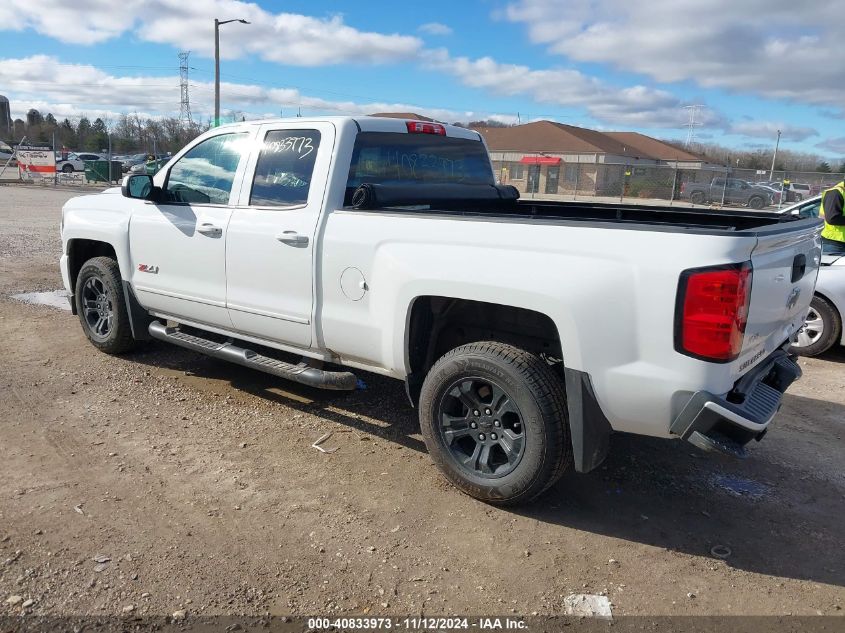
<point>692,123</point>
<point>185,106</point>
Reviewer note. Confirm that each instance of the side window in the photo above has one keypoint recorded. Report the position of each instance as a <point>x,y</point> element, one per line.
<point>810,210</point>
<point>284,169</point>
<point>205,174</point>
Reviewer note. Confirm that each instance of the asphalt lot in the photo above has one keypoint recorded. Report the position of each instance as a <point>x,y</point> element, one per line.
<point>197,480</point>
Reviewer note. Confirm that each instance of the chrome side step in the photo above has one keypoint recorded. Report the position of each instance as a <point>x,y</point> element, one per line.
<point>302,373</point>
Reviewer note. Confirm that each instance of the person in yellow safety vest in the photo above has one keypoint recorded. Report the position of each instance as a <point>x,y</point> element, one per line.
<point>833,235</point>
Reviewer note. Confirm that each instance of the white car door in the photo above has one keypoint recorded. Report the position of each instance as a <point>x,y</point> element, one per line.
<point>178,245</point>
<point>270,242</point>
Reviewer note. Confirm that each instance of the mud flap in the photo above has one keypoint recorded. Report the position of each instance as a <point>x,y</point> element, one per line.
<point>139,319</point>
<point>588,426</point>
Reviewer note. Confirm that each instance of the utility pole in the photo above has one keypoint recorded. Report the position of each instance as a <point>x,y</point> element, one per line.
<point>185,105</point>
<point>216,72</point>
<point>774,158</point>
<point>217,24</point>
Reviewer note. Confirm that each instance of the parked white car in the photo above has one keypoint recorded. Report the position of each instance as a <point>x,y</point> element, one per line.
<point>823,327</point>
<point>797,191</point>
<point>76,162</point>
<point>526,331</point>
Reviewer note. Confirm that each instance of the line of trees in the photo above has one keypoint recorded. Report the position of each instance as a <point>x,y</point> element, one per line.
<point>787,160</point>
<point>130,133</point>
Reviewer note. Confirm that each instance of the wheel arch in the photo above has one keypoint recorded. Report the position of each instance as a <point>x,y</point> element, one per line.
<point>435,324</point>
<point>80,250</point>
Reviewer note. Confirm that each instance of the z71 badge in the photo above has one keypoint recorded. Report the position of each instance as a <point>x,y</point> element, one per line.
<point>146,268</point>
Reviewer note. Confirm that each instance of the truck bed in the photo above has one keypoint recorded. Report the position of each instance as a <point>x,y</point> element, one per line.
<point>704,218</point>
<point>502,202</point>
<point>604,215</point>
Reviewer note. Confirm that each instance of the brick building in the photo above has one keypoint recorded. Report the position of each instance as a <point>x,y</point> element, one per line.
<point>550,158</point>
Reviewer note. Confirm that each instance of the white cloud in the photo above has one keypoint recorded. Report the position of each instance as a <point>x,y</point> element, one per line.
<point>435,28</point>
<point>768,129</point>
<point>774,48</point>
<point>285,38</point>
<point>632,106</point>
<point>43,78</point>
<point>70,90</point>
<point>77,22</point>
<point>833,145</point>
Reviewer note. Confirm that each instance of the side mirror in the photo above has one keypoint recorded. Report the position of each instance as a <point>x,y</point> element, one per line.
<point>138,186</point>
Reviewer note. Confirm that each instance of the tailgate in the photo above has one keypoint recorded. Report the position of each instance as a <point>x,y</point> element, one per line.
<point>785,265</point>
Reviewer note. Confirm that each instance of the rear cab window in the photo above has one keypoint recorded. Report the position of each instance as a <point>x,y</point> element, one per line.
<point>395,158</point>
<point>285,168</point>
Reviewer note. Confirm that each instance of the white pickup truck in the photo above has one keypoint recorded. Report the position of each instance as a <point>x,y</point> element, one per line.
<point>526,331</point>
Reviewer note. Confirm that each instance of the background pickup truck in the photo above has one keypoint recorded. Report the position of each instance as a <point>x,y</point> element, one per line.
<point>525,331</point>
<point>735,191</point>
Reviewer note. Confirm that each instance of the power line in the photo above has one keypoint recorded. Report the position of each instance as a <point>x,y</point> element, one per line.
<point>311,89</point>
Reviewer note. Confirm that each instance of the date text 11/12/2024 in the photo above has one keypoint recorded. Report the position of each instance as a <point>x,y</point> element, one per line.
<point>418,623</point>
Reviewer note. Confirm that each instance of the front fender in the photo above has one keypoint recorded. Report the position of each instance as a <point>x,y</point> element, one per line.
<point>100,217</point>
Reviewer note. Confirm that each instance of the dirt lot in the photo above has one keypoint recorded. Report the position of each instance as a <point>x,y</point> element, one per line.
<point>198,481</point>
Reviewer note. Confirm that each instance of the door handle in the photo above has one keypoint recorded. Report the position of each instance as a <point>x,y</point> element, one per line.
<point>207,228</point>
<point>292,238</point>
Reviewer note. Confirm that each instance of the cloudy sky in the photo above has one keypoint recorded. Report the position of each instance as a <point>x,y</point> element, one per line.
<point>754,66</point>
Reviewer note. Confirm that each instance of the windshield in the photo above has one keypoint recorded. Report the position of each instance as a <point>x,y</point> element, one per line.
<point>408,159</point>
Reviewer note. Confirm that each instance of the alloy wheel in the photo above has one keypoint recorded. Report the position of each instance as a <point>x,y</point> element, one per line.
<point>482,427</point>
<point>812,329</point>
<point>97,307</point>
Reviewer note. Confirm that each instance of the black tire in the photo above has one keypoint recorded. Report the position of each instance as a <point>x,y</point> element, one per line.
<point>101,306</point>
<point>756,202</point>
<point>67,168</point>
<point>825,314</point>
<point>531,388</point>
<point>799,197</point>
<point>697,197</point>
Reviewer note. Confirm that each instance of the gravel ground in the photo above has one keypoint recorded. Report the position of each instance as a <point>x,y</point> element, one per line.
<point>167,481</point>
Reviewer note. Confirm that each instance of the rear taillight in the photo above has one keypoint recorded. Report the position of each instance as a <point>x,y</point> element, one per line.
<point>420,127</point>
<point>712,311</point>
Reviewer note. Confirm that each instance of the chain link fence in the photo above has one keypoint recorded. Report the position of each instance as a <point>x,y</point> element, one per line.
<point>661,184</point>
